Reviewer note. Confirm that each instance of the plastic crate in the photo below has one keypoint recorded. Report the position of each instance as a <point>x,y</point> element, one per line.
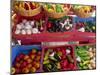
<point>25,49</point>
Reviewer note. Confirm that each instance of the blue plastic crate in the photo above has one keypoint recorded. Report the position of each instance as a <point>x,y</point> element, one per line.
<point>16,50</point>
<point>78,19</point>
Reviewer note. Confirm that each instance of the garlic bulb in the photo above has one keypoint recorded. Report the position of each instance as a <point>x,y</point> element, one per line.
<point>27,23</point>
<point>24,21</point>
<point>78,59</point>
<point>23,32</point>
<point>81,29</point>
<point>17,31</point>
<point>35,30</point>
<point>19,26</point>
<point>68,51</point>
<point>32,23</point>
<point>28,31</point>
<point>27,27</point>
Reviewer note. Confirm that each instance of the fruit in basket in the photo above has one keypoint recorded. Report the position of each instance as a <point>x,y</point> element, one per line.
<point>25,5</point>
<point>58,8</point>
<point>86,9</point>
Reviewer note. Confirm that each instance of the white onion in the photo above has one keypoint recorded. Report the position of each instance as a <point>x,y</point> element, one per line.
<point>32,23</point>
<point>82,29</point>
<point>35,30</point>
<point>78,59</point>
<point>23,32</point>
<point>19,26</point>
<point>27,23</point>
<point>28,27</point>
<point>24,21</point>
<point>68,51</point>
<point>17,31</point>
<point>28,31</point>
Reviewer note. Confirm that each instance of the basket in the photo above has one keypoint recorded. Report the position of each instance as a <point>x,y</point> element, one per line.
<point>82,14</point>
<point>55,14</point>
<point>31,12</point>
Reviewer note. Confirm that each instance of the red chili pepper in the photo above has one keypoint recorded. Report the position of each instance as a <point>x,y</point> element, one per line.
<point>32,6</point>
<point>26,6</point>
<point>49,25</point>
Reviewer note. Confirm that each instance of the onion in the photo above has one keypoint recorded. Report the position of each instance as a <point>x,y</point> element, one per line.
<point>27,27</point>
<point>27,23</point>
<point>68,51</point>
<point>78,59</point>
<point>24,21</point>
<point>35,30</point>
<point>32,23</point>
<point>19,26</point>
<point>23,32</point>
<point>28,31</point>
<point>81,29</point>
<point>17,31</point>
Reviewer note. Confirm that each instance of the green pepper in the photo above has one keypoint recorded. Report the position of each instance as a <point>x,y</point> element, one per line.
<point>59,8</point>
<point>85,58</point>
<point>46,62</point>
<point>49,6</point>
<point>46,55</point>
<point>52,58</point>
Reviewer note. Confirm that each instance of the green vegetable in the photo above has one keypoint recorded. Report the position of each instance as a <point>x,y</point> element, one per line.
<point>49,6</point>
<point>58,8</point>
<point>52,58</point>
<point>46,62</point>
<point>57,57</point>
<point>46,55</point>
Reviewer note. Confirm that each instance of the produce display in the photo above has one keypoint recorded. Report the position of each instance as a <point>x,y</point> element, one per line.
<point>52,32</point>
<point>58,59</point>
<point>86,57</point>
<point>58,8</point>
<point>26,8</point>
<point>60,25</point>
<point>86,26</point>
<point>27,63</point>
<point>83,11</point>
<point>29,27</point>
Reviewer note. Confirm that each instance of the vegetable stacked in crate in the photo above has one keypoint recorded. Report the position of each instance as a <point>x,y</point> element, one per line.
<point>86,57</point>
<point>35,23</point>
<point>59,59</point>
<point>26,59</point>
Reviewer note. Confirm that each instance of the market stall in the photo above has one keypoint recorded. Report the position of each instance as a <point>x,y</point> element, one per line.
<point>54,37</point>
